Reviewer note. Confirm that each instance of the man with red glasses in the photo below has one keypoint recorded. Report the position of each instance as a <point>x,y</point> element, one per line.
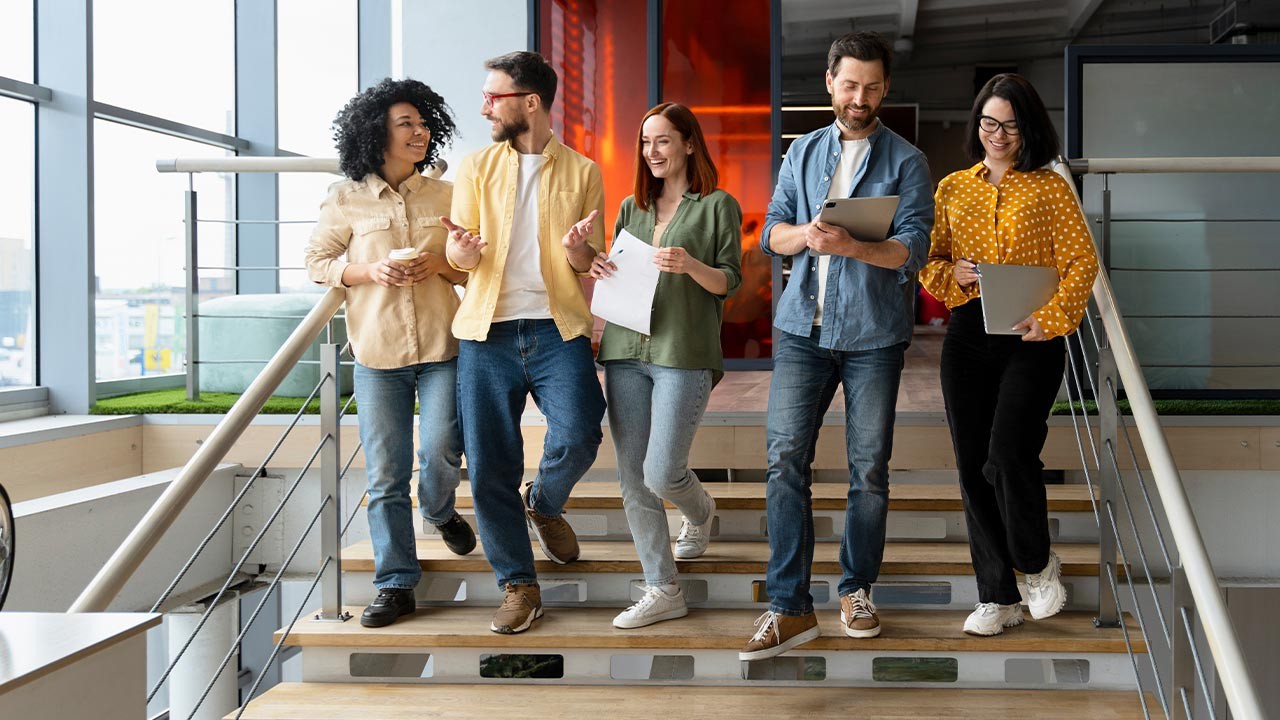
<point>524,227</point>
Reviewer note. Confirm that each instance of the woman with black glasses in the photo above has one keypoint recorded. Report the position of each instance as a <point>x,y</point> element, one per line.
<point>998,389</point>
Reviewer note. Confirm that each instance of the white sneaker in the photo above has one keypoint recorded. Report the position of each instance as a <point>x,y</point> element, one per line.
<point>1045,593</point>
<point>992,618</point>
<point>694,539</point>
<point>656,605</point>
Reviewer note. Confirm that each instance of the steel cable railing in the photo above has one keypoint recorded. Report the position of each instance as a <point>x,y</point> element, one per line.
<point>1193,586</point>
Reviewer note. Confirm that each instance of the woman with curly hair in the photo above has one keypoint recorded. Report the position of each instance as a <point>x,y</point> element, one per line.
<point>379,236</point>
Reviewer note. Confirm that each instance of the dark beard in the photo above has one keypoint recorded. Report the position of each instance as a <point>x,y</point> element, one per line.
<point>510,131</point>
<point>856,125</point>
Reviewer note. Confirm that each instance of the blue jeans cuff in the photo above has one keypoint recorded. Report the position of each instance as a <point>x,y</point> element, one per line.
<point>789,612</point>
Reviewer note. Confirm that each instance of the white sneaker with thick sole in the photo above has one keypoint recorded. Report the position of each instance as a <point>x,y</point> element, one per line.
<point>1046,594</point>
<point>656,605</point>
<point>992,618</point>
<point>694,539</point>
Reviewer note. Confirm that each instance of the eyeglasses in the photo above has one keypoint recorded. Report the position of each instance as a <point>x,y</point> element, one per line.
<point>490,97</point>
<point>990,124</point>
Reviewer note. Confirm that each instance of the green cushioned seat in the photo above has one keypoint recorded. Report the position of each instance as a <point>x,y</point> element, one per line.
<point>261,325</point>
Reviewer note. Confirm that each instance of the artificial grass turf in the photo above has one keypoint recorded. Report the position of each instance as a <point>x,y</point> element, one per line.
<point>174,401</point>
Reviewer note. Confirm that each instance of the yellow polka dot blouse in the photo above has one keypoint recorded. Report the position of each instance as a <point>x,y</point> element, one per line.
<point>1030,218</point>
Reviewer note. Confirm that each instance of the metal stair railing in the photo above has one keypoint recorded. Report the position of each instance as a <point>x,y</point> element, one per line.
<point>1191,592</point>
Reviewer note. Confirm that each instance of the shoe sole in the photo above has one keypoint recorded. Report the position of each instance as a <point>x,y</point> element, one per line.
<point>669,615</point>
<point>545,550</point>
<point>863,634</point>
<point>1054,609</point>
<point>508,630</point>
<point>384,623</point>
<point>1008,624</point>
<point>687,556</point>
<point>789,644</point>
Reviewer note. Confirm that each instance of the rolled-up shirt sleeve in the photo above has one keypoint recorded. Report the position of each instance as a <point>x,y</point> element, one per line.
<point>328,244</point>
<point>782,206</point>
<point>913,220</point>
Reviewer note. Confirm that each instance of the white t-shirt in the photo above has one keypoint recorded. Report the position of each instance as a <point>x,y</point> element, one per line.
<point>852,153</point>
<point>523,295</point>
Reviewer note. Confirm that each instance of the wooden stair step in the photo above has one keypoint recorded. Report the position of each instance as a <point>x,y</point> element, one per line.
<point>596,495</point>
<point>900,558</point>
<point>709,629</point>
<point>386,701</point>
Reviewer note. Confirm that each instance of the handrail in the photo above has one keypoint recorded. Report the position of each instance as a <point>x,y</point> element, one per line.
<point>243,164</point>
<point>1174,165</point>
<point>1233,673</point>
<point>135,548</point>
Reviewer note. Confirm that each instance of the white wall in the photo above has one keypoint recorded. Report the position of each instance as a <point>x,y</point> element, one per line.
<point>451,61</point>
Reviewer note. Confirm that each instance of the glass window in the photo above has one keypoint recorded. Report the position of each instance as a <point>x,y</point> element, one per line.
<point>17,259</point>
<point>300,198</point>
<point>139,250</point>
<point>17,39</point>
<point>317,64</point>
<point>185,69</point>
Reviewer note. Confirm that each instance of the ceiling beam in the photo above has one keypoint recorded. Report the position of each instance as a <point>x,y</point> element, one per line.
<point>907,23</point>
<point>1078,14</point>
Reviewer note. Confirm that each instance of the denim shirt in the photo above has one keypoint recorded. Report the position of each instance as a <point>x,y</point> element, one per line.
<point>866,307</point>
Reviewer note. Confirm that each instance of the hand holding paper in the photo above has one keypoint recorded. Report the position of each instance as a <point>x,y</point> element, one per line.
<point>627,281</point>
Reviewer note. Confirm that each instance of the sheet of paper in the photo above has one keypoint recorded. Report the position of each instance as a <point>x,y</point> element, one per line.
<point>626,297</point>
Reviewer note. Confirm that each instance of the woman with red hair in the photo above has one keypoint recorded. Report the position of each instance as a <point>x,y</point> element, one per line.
<point>657,385</point>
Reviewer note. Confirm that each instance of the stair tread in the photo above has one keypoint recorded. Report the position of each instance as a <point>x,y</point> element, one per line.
<point>900,558</point>
<point>597,495</point>
<point>358,701</point>
<point>709,629</point>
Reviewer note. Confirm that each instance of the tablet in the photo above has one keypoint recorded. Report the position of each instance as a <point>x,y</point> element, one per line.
<point>1010,293</point>
<point>866,218</point>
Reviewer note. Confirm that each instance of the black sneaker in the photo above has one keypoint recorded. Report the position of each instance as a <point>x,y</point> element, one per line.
<point>390,604</point>
<point>457,535</point>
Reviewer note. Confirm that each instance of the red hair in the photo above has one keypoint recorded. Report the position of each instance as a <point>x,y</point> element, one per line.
<point>701,172</point>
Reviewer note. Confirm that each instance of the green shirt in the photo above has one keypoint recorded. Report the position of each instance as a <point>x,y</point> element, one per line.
<point>686,318</point>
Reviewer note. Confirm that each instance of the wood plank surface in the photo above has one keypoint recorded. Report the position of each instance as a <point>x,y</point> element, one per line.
<point>596,495</point>
<point>352,701</point>
<point>710,629</point>
<point>900,558</point>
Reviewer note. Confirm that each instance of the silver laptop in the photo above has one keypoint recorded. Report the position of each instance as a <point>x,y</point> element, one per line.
<point>866,218</point>
<point>1010,293</point>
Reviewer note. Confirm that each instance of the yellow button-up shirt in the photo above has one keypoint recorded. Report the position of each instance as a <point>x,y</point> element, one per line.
<point>484,199</point>
<point>1030,218</point>
<point>364,221</point>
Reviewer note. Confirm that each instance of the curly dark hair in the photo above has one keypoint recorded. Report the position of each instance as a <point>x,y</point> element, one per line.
<point>360,129</point>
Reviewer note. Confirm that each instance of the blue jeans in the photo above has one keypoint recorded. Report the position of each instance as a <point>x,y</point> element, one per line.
<point>522,358</point>
<point>654,412</point>
<point>384,401</point>
<point>804,382</point>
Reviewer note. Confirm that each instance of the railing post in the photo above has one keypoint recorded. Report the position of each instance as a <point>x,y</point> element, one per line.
<point>330,485</point>
<point>1106,223</point>
<point>1181,662</point>
<point>1108,485</point>
<point>193,297</point>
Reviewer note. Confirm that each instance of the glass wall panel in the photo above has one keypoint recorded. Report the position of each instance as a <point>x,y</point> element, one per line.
<point>1195,257</point>
<point>174,60</point>
<point>724,77</point>
<point>17,39</point>
<point>17,257</point>
<point>300,198</point>
<point>139,250</point>
<point>599,50</point>
<point>317,63</point>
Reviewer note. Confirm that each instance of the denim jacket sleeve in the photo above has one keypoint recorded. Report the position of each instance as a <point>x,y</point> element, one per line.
<point>914,219</point>
<point>782,206</point>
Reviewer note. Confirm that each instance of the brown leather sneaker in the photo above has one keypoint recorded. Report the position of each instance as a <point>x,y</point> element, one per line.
<point>555,536</point>
<point>858,616</point>
<point>777,634</point>
<point>521,605</point>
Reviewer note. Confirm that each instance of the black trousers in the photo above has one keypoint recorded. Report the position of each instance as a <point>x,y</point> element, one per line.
<point>998,392</point>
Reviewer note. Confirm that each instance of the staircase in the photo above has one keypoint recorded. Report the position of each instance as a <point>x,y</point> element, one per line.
<point>444,661</point>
